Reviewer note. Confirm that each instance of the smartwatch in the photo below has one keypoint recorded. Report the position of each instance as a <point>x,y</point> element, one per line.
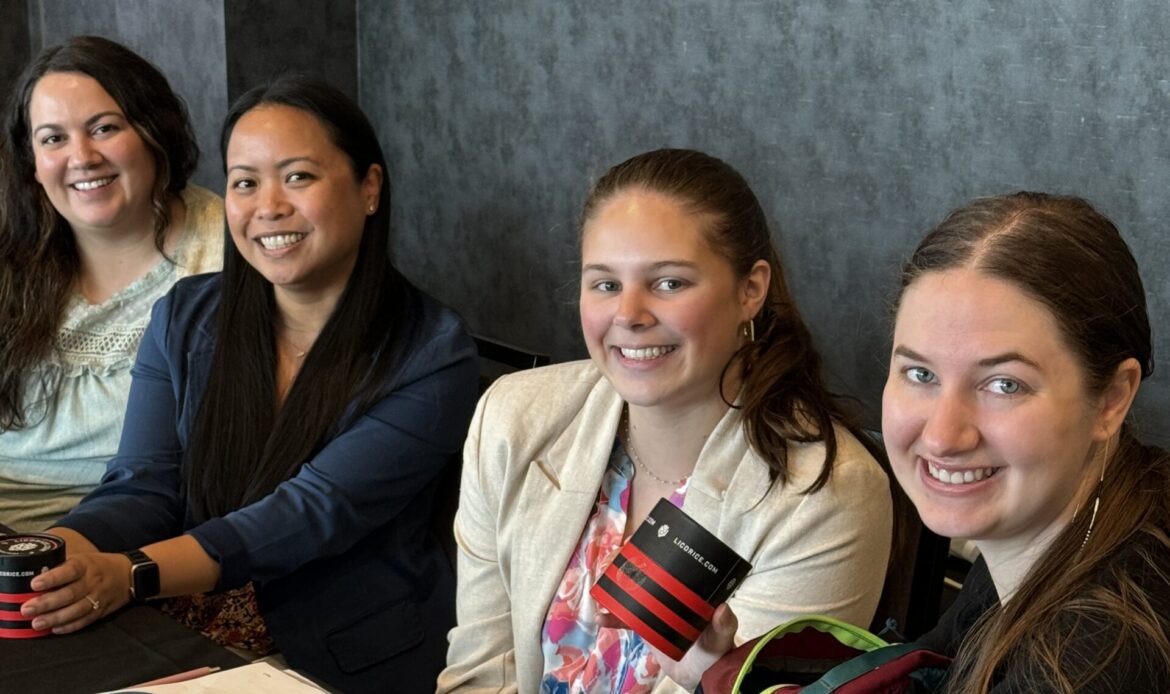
<point>143,575</point>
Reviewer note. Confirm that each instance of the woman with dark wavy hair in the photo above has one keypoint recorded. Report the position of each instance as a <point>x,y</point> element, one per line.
<point>1020,339</point>
<point>97,221</point>
<point>288,423</point>
<point>703,387</point>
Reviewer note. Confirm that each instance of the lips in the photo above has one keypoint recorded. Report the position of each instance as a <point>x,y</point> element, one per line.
<point>646,353</point>
<point>92,184</point>
<point>276,242</point>
<point>960,477</point>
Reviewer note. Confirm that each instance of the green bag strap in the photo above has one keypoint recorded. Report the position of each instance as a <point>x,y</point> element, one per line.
<point>846,633</point>
<point>856,667</point>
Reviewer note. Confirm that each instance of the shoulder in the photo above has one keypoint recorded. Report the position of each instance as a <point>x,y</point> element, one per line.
<point>440,341</point>
<point>202,205</point>
<point>534,393</point>
<point>189,305</point>
<point>854,468</point>
<point>203,230</point>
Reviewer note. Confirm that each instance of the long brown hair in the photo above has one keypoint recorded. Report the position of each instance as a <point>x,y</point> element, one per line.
<point>1072,259</point>
<point>784,396</point>
<point>38,254</point>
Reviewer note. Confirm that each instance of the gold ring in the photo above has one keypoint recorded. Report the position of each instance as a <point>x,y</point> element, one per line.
<point>97,604</point>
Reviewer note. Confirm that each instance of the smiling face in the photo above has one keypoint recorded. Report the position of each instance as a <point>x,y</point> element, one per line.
<point>95,168</point>
<point>986,416</point>
<point>295,208</point>
<point>660,309</point>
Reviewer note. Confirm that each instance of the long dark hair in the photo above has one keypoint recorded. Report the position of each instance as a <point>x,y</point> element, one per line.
<point>241,447</point>
<point>784,396</point>
<point>38,254</point>
<point>1072,259</point>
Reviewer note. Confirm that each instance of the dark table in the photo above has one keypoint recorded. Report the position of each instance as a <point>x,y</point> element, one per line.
<point>137,644</point>
<point>132,646</point>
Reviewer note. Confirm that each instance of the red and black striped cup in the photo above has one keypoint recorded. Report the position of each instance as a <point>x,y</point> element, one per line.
<point>21,558</point>
<point>667,580</point>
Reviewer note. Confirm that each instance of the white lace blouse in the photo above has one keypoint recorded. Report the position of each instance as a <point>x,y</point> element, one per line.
<point>47,467</point>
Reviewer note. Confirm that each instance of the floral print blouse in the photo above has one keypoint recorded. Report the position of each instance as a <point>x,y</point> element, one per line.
<point>579,656</point>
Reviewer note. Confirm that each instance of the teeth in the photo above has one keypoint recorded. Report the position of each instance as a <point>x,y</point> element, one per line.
<point>93,185</point>
<point>280,240</point>
<point>646,352</point>
<point>960,476</point>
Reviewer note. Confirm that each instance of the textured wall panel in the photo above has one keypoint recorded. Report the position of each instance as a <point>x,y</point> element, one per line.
<point>267,37</point>
<point>14,43</point>
<point>859,124</point>
<point>184,39</point>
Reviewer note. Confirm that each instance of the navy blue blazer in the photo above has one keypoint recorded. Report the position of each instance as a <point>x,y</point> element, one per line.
<point>353,585</point>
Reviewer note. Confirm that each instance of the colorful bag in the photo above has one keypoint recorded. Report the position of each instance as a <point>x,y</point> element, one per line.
<point>819,655</point>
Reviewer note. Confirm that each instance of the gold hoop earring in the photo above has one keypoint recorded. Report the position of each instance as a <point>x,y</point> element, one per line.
<point>749,330</point>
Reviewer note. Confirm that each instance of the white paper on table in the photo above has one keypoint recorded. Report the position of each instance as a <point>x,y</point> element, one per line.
<point>256,677</point>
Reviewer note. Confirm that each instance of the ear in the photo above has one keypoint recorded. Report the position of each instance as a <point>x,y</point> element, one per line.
<point>371,188</point>
<point>753,289</point>
<point>1117,398</point>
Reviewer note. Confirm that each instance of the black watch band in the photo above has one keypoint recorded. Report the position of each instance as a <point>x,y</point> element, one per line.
<point>144,583</point>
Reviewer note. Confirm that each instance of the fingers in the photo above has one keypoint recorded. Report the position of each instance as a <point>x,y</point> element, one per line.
<point>59,576</point>
<point>78,592</point>
<point>607,620</point>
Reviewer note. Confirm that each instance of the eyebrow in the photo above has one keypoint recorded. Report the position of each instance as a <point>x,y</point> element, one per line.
<point>996,360</point>
<point>280,164</point>
<point>88,122</point>
<point>601,267</point>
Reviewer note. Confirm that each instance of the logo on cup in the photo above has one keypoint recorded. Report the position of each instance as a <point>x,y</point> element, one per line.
<point>667,591</point>
<point>21,558</point>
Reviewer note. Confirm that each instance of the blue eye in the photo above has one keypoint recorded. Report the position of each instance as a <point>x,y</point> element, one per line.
<point>1005,386</point>
<point>919,374</point>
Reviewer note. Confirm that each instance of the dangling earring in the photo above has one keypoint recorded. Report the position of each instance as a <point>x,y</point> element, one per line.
<point>749,329</point>
<point>1097,499</point>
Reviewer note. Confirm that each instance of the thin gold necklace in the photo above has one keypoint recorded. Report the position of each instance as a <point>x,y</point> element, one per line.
<point>634,457</point>
<point>298,352</point>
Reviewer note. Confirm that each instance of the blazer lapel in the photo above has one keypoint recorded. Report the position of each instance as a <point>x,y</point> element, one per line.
<point>573,464</point>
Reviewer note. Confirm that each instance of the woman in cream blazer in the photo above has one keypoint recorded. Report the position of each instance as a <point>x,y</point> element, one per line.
<point>815,524</point>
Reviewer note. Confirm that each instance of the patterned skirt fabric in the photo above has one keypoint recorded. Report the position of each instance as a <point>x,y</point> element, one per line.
<point>231,618</point>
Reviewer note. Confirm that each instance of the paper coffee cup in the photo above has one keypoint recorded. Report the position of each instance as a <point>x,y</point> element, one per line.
<point>667,580</point>
<point>21,558</point>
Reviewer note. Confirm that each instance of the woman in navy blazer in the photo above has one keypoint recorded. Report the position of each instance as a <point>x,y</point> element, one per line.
<point>288,420</point>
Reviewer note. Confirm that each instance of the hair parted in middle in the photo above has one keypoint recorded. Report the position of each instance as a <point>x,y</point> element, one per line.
<point>372,328</point>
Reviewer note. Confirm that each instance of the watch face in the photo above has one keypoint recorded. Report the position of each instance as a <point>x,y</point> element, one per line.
<point>144,578</point>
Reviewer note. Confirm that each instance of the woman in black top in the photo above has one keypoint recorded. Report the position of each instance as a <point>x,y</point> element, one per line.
<point>1021,338</point>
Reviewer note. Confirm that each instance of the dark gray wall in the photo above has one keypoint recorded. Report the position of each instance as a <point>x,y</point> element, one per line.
<point>859,125</point>
<point>14,50</point>
<point>267,37</point>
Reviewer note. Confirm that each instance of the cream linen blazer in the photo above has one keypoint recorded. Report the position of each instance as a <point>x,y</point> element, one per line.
<point>532,467</point>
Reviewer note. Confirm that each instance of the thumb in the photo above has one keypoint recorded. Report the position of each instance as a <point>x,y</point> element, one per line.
<point>720,636</point>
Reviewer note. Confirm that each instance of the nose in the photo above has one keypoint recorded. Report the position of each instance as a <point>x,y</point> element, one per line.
<point>272,203</point>
<point>83,155</point>
<point>633,312</point>
<point>950,428</point>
